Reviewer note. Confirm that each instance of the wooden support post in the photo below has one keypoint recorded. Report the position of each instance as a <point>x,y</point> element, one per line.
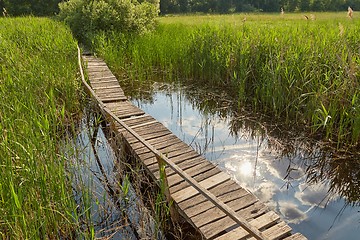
<point>165,189</point>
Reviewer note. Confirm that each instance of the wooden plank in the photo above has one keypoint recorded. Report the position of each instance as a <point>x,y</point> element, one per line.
<point>104,80</point>
<point>100,75</point>
<point>218,191</point>
<point>198,178</point>
<point>164,147</point>
<point>197,169</point>
<point>296,236</point>
<point>155,169</point>
<point>278,231</point>
<point>207,183</point>
<point>214,228</point>
<point>115,88</point>
<point>207,207</point>
<point>121,115</point>
<point>158,142</point>
<point>98,68</point>
<point>264,221</point>
<point>138,120</point>
<point>110,95</point>
<point>190,160</point>
<point>214,213</point>
<point>109,90</point>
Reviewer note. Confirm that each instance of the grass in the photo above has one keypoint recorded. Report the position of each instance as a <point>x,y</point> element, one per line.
<point>40,97</point>
<point>300,72</point>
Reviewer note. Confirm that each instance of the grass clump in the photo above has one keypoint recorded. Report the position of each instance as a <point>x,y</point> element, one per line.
<point>39,92</point>
<point>300,71</point>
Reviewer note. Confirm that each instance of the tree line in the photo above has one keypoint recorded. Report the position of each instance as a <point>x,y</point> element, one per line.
<point>230,6</point>
<point>50,7</point>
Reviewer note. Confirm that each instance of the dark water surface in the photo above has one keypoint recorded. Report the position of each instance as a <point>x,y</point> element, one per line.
<point>107,202</point>
<point>317,195</point>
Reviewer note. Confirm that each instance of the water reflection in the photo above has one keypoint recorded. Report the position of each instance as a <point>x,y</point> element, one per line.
<point>108,205</point>
<point>315,190</point>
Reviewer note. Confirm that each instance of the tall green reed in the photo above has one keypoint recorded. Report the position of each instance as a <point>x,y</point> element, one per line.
<point>300,72</point>
<point>39,94</point>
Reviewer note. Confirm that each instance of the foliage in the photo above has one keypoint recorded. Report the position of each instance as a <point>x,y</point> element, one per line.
<point>39,93</point>
<point>86,17</point>
<point>30,7</point>
<point>301,72</point>
<point>230,6</point>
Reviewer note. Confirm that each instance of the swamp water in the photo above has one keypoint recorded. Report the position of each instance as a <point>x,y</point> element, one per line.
<point>315,196</point>
<point>108,204</point>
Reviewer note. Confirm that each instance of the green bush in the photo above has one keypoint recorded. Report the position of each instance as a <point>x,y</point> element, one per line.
<point>87,17</point>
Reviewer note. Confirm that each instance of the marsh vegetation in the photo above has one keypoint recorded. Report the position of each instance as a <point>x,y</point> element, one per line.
<point>300,72</point>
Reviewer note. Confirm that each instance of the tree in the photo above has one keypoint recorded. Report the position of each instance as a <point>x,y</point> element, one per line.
<point>33,7</point>
<point>88,17</point>
<point>304,5</point>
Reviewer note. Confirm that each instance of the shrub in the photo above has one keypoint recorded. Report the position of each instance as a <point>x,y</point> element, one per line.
<point>87,17</point>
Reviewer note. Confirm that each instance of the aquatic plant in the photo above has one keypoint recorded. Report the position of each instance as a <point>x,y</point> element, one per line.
<point>40,98</point>
<point>301,72</point>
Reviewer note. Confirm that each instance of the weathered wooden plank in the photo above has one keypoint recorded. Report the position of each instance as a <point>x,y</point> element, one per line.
<point>207,208</point>
<point>164,146</point>
<point>97,69</point>
<point>103,80</point>
<point>121,115</point>
<point>159,142</point>
<point>214,228</point>
<point>278,231</point>
<point>109,90</point>
<point>218,191</point>
<point>138,120</point>
<point>214,213</point>
<point>207,183</point>
<point>197,169</point>
<point>199,177</point>
<point>189,162</point>
<point>92,64</point>
<point>99,75</point>
<point>155,169</point>
<point>120,106</point>
<point>157,133</point>
<point>264,221</point>
<point>110,95</point>
<point>296,236</point>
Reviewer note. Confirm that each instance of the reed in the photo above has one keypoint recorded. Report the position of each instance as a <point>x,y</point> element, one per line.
<point>301,72</point>
<point>39,95</point>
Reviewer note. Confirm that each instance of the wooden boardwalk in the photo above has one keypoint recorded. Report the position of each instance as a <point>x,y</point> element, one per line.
<point>205,216</point>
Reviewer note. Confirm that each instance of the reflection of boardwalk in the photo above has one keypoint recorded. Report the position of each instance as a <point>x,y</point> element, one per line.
<point>149,136</point>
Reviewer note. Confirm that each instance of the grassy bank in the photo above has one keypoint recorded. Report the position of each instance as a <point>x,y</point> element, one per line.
<point>301,71</point>
<point>39,94</point>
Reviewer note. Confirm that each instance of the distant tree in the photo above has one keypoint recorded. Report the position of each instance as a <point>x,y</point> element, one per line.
<point>224,6</point>
<point>271,5</point>
<point>304,5</point>
<point>33,7</point>
<point>318,6</point>
<point>184,6</point>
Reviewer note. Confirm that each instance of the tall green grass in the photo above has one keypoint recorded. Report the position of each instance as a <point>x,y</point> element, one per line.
<point>39,94</point>
<point>300,72</point>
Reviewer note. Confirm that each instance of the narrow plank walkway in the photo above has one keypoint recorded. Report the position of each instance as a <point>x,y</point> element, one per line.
<point>207,218</point>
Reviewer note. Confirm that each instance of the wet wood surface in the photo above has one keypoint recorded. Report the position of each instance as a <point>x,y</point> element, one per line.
<point>207,218</point>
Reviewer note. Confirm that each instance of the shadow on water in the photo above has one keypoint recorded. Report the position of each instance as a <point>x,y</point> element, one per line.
<point>313,187</point>
<point>108,204</point>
